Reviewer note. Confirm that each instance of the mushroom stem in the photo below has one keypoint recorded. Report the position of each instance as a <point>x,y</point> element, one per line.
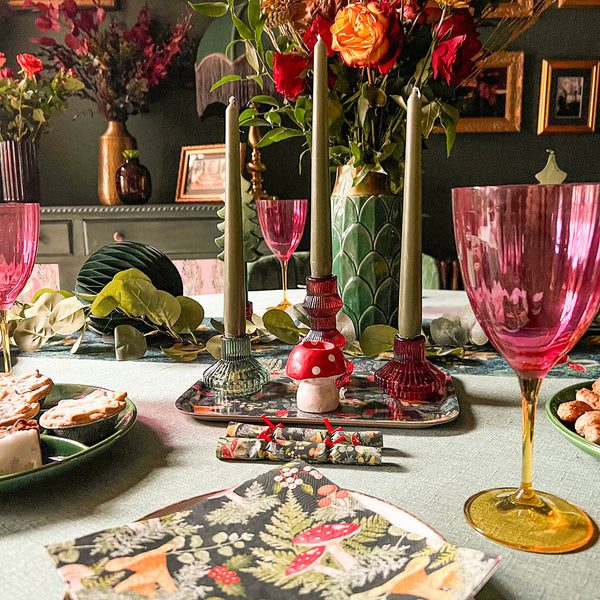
<point>318,395</point>
<point>345,560</point>
<point>324,570</point>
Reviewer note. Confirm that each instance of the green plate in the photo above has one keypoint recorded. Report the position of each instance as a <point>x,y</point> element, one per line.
<point>568,429</point>
<point>61,454</point>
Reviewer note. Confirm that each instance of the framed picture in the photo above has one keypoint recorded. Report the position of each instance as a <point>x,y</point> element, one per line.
<point>513,9</point>
<point>90,3</point>
<point>202,173</point>
<point>568,96</point>
<point>578,3</point>
<point>494,102</point>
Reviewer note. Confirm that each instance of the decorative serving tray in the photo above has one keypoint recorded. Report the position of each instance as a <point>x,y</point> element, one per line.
<point>364,403</point>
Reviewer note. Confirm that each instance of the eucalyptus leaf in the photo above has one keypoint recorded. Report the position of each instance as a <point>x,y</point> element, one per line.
<point>217,325</point>
<point>191,316</point>
<point>477,336</point>
<point>139,298</point>
<point>213,346</point>
<point>31,333</point>
<point>130,343</point>
<point>79,340</point>
<point>345,326</point>
<point>181,355</point>
<point>447,332</point>
<point>63,293</point>
<point>45,304</point>
<point>67,317</point>
<point>377,339</point>
<point>107,299</point>
<point>281,325</point>
<point>133,273</point>
<point>167,310</point>
<point>297,312</point>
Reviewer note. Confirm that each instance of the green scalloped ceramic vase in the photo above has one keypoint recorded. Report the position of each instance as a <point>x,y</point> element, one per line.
<point>366,229</point>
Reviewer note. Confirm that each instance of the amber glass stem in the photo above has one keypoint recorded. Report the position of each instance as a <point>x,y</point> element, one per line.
<point>5,340</point>
<point>284,269</point>
<point>530,389</point>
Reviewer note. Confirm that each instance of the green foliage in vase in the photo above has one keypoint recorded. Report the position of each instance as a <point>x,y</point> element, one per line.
<point>131,293</point>
<point>29,100</point>
<point>250,226</point>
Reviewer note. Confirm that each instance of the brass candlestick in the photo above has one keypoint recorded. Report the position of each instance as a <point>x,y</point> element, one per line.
<point>256,167</point>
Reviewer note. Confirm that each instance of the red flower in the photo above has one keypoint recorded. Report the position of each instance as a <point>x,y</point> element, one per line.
<point>6,73</point>
<point>2,59</point>
<point>453,56</point>
<point>30,64</point>
<point>395,36</point>
<point>320,26</point>
<point>289,74</point>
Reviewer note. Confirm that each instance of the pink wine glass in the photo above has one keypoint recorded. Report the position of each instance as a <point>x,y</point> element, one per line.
<point>282,224</point>
<point>530,260</point>
<point>19,234</point>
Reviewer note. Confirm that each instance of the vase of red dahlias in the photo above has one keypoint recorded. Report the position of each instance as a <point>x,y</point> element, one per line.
<point>27,102</point>
<point>377,51</point>
<point>118,66</point>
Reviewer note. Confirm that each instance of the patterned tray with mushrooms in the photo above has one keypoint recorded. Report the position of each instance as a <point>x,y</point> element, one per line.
<point>362,403</point>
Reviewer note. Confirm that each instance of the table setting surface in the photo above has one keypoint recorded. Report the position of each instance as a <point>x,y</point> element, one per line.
<point>168,457</point>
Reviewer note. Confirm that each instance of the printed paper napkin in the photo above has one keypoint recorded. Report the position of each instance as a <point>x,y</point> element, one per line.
<point>287,533</point>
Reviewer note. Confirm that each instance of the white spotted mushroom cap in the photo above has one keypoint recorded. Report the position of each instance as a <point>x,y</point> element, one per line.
<point>305,560</point>
<point>314,360</point>
<point>322,534</point>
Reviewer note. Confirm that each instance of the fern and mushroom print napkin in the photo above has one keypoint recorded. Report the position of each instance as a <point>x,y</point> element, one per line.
<point>288,533</point>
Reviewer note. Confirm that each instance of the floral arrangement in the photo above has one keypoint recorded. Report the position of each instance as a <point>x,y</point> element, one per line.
<point>28,101</point>
<point>119,66</point>
<point>378,50</point>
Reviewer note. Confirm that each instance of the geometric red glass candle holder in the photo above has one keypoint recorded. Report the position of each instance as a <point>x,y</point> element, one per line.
<point>409,375</point>
<point>322,304</point>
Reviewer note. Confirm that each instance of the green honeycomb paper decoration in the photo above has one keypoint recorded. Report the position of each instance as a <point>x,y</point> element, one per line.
<point>106,262</point>
<point>366,257</point>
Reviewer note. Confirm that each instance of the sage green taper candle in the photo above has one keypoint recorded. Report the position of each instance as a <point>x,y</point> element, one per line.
<point>320,208</point>
<point>234,314</point>
<point>410,308</point>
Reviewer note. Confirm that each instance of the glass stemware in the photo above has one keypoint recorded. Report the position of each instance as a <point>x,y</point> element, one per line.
<point>19,233</point>
<point>530,260</point>
<point>282,224</point>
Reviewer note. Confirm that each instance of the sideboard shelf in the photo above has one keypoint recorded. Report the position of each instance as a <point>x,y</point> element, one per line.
<point>69,234</point>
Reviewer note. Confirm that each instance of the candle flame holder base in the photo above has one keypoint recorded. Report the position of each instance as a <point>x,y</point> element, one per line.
<point>323,303</point>
<point>236,373</point>
<point>409,375</point>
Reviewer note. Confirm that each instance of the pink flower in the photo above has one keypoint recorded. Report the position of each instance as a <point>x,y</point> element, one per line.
<point>6,73</point>
<point>2,59</point>
<point>30,64</point>
<point>47,23</point>
<point>44,41</point>
<point>80,47</point>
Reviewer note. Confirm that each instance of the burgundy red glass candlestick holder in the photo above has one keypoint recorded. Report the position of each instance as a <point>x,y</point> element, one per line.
<point>409,375</point>
<point>323,303</point>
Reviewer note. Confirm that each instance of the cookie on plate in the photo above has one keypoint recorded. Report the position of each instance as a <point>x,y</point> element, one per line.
<point>100,404</point>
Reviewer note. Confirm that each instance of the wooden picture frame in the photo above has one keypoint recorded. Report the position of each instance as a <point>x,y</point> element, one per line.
<point>87,3</point>
<point>568,96</point>
<point>578,3</point>
<point>497,96</point>
<point>513,9</point>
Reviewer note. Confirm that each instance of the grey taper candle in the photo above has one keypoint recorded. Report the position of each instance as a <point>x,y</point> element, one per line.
<point>410,307</point>
<point>234,312</point>
<point>320,207</point>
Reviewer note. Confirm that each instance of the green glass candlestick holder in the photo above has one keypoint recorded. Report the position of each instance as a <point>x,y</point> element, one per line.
<point>236,373</point>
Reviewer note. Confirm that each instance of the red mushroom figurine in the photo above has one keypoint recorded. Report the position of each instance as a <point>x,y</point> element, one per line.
<point>315,365</point>
<point>310,561</point>
<point>330,536</point>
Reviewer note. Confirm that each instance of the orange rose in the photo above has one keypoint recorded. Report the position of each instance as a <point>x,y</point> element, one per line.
<point>359,34</point>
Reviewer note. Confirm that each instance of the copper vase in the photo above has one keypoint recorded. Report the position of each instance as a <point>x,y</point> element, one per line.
<point>113,142</point>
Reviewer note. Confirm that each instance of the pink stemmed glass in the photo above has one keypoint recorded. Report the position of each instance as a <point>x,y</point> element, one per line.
<point>530,260</point>
<point>19,234</point>
<point>282,224</point>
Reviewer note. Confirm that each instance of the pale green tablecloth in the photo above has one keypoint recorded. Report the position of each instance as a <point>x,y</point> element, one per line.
<point>168,457</point>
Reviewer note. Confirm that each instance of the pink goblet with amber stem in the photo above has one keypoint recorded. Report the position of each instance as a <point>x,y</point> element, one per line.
<point>19,233</point>
<point>530,261</point>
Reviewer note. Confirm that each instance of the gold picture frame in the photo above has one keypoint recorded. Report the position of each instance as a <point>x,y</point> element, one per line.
<point>578,3</point>
<point>568,96</point>
<point>87,3</point>
<point>497,95</point>
<point>513,9</point>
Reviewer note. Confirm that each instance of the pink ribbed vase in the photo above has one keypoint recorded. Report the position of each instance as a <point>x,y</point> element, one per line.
<point>19,171</point>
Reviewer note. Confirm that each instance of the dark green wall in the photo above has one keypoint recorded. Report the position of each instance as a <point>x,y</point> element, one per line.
<point>69,152</point>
